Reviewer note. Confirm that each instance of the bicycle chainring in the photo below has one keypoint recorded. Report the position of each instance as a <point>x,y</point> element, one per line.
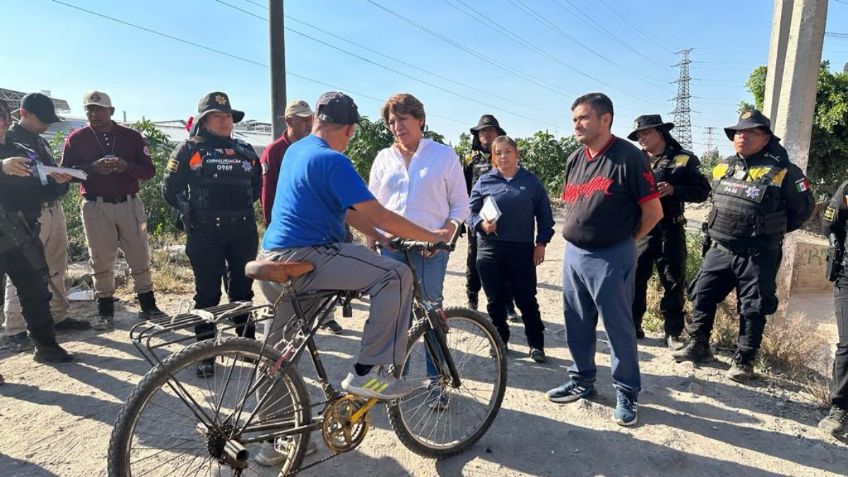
<point>339,433</point>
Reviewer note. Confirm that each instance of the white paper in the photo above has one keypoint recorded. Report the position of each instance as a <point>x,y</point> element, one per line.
<point>44,171</point>
<point>490,210</point>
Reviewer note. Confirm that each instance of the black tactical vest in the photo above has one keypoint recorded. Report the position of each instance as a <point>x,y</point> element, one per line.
<point>481,163</point>
<point>221,177</point>
<point>747,209</point>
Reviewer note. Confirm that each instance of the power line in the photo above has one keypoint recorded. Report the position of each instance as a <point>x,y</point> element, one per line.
<point>633,26</point>
<point>227,54</point>
<point>608,33</point>
<point>479,16</point>
<point>388,68</point>
<point>468,50</point>
<point>521,5</point>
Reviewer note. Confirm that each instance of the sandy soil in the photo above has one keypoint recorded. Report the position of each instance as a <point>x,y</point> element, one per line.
<point>57,420</point>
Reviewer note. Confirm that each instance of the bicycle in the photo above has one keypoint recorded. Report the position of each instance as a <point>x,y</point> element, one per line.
<point>174,423</point>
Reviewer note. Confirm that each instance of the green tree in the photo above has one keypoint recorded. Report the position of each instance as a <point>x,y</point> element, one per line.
<point>708,160</point>
<point>545,156</point>
<point>370,137</point>
<point>828,162</point>
<point>161,218</point>
<point>464,147</point>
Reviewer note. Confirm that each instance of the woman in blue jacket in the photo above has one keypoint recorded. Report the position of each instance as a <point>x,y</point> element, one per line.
<point>511,243</point>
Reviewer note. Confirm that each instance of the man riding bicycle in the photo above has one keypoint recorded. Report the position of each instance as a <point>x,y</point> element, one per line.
<point>317,192</point>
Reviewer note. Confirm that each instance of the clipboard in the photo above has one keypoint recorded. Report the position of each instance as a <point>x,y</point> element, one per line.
<point>490,210</point>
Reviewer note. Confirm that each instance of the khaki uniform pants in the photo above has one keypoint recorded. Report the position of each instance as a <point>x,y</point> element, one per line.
<point>54,236</point>
<point>109,227</point>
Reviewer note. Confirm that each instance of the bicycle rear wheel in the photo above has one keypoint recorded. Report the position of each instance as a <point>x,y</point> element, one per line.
<point>176,424</point>
<point>440,420</point>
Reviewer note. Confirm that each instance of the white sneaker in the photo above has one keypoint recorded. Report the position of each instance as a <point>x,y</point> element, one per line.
<point>379,384</point>
<point>275,453</point>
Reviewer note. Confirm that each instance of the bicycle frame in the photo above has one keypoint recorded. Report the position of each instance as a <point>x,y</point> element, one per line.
<point>164,329</point>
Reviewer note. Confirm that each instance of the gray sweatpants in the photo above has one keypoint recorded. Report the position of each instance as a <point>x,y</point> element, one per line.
<point>344,266</point>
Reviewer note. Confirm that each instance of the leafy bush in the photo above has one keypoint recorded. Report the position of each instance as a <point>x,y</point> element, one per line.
<point>545,156</point>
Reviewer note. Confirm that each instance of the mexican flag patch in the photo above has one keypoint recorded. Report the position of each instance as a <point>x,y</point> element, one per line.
<point>801,185</point>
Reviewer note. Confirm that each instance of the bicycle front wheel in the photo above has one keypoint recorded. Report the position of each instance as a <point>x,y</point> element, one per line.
<point>177,424</point>
<point>440,420</point>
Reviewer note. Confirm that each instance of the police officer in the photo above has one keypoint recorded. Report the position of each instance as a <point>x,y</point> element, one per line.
<point>835,222</point>
<point>213,179</point>
<point>21,251</point>
<point>477,163</point>
<point>758,196</point>
<point>679,179</point>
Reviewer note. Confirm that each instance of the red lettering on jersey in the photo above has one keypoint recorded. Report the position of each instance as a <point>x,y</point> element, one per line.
<point>649,178</point>
<point>573,192</point>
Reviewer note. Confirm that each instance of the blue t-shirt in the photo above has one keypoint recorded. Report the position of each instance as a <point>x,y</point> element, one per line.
<point>316,187</point>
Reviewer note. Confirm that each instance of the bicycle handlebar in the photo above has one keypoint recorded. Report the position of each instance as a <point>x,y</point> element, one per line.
<point>411,245</point>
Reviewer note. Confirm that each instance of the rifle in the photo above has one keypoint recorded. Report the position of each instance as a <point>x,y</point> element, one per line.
<point>835,253</point>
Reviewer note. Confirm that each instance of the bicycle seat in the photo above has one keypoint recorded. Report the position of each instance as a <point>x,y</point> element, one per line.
<point>280,272</point>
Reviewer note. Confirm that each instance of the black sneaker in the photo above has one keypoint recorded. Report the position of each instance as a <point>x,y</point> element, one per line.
<point>836,422</point>
<point>694,350</point>
<point>20,342</point>
<point>537,355</point>
<point>52,354</point>
<point>674,342</point>
<point>333,327</point>
<point>206,369</point>
<point>741,368</point>
<point>72,324</point>
<point>513,317</point>
<point>640,333</point>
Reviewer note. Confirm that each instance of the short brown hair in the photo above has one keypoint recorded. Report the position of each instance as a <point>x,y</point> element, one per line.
<point>501,140</point>
<point>403,103</point>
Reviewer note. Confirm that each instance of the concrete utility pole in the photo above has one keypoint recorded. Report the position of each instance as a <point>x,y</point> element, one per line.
<point>277,36</point>
<point>795,54</point>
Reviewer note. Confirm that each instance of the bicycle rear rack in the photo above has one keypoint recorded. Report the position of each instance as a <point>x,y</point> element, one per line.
<point>170,330</point>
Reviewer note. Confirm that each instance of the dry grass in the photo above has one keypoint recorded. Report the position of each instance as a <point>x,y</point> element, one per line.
<point>792,350</point>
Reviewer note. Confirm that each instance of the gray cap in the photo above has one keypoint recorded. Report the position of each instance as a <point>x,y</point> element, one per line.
<point>338,108</point>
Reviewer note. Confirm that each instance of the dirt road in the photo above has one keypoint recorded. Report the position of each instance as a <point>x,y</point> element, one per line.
<point>57,420</point>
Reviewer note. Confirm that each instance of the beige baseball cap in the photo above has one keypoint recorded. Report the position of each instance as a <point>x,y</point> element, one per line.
<point>298,107</point>
<point>96,98</point>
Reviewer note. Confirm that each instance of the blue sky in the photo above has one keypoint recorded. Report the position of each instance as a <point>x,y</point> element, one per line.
<point>525,61</point>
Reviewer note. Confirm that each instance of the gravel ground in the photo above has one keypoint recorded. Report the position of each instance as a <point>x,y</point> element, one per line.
<point>57,420</point>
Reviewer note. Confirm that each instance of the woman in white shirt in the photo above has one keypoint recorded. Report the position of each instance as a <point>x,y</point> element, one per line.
<point>421,180</point>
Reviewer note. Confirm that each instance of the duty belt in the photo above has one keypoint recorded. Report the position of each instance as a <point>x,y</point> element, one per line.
<point>737,250</point>
<point>221,221</point>
<point>108,199</point>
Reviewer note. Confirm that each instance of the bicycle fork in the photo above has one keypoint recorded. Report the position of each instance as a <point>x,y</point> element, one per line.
<point>435,339</point>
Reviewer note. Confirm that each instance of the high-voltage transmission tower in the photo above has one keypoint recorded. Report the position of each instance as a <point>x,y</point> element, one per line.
<point>708,135</point>
<point>682,124</point>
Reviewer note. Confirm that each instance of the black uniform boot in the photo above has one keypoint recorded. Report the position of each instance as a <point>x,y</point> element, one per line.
<point>695,350</point>
<point>47,350</point>
<point>472,301</point>
<point>105,314</point>
<point>742,367</point>
<point>149,310</point>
